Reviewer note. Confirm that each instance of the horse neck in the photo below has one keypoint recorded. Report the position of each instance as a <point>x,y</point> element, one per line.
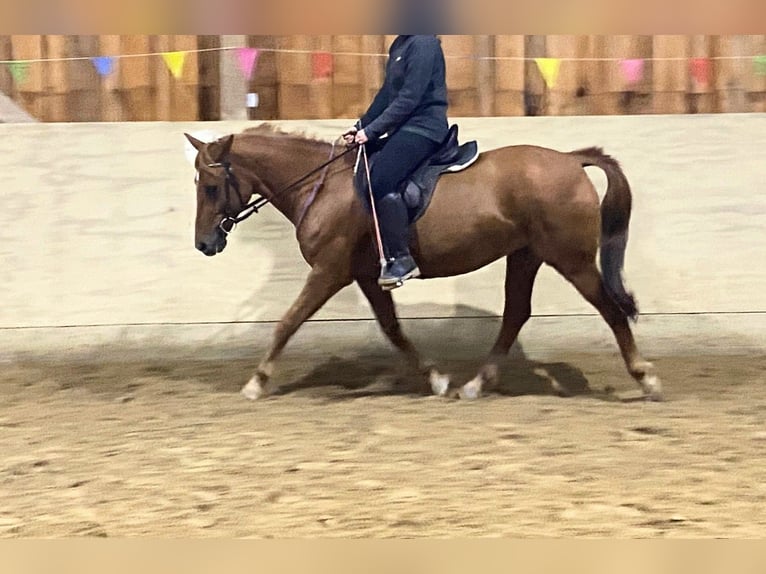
<point>275,162</point>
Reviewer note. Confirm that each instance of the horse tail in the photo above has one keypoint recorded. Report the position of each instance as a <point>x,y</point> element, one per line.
<point>615,219</point>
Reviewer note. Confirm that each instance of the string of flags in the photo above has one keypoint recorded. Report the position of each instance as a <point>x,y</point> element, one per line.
<point>632,69</point>
<point>246,58</point>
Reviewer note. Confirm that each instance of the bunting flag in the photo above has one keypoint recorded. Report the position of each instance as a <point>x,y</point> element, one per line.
<point>175,62</point>
<point>19,71</point>
<point>104,65</point>
<point>321,64</point>
<point>549,68</point>
<point>700,70</point>
<point>632,70</point>
<point>247,58</point>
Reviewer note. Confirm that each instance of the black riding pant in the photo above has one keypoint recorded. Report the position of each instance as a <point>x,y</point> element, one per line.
<point>399,155</point>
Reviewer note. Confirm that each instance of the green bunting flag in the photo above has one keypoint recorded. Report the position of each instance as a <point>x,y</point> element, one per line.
<point>19,70</point>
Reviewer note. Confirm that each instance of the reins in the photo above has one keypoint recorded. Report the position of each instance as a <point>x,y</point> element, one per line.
<point>261,201</point>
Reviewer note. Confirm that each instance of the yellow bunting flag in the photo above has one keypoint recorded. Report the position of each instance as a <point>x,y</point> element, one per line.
<point>174,62</point>
<point>549,68</point>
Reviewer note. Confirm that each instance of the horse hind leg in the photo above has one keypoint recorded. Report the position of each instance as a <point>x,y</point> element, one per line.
<point>382,304</point>
<point>588,281</point>
<point>521,270</point>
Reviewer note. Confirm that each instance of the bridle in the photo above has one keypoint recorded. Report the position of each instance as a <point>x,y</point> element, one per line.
<point>230,181</point>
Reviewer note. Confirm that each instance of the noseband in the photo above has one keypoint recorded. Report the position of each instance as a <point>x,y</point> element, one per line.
<point>230,181</point>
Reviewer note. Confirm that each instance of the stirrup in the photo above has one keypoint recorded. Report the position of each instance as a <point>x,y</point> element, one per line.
<point>387,284</point>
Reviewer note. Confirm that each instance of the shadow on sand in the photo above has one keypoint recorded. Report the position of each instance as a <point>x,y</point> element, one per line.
<point>330,364</point>
<point>456,346</point>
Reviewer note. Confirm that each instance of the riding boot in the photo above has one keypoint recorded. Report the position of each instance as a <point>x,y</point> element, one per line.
<point>395,232</point>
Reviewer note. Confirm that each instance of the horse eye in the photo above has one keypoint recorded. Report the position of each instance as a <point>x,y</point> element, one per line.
<point>211,189</point>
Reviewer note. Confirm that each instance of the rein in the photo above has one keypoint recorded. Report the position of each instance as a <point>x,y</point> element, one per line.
<point>261,201</point>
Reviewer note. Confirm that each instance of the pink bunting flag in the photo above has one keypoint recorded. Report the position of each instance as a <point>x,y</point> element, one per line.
<point>247,58</point>
<point>321,64</point>
<point>700,70</point>
<point>632,70</point>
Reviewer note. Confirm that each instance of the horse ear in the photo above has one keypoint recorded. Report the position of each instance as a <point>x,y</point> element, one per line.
<point>225,143</point>
<point>220,148</point>
<point>198,145</point>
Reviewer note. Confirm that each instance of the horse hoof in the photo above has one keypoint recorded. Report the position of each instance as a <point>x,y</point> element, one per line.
<point>439,383</point>
<point>253,390</point>
<point>471,390</point>
<point>652,388</point>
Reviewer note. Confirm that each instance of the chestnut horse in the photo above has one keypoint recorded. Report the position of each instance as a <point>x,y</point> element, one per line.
<point>529,204</point>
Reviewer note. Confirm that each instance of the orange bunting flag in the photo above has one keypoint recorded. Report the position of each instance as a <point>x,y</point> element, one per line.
<point>321,64</point>
<point>175,62</point>
<point>549,68</point>
<point>700,70</point>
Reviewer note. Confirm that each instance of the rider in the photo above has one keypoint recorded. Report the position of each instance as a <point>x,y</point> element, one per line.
<point>411,110</point>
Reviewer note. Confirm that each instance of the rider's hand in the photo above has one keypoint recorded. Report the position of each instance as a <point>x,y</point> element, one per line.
<point>361,137</point>
<point>349,136</point>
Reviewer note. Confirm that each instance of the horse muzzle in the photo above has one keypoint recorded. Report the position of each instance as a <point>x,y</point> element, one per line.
<point>212,245</point>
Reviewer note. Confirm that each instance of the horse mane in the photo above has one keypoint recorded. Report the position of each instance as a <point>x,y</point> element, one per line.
<point>271,130</point>
<point>276,134</point>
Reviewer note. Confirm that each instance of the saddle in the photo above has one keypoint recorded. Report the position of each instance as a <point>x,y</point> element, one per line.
<point>418,189</point>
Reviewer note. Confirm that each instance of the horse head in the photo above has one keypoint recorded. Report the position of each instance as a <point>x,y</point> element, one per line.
<point>218,196</point>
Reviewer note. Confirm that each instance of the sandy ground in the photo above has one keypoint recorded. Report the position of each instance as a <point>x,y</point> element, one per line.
<point>354,447</point>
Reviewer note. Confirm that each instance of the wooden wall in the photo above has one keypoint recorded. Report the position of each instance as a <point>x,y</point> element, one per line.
<point>140,88</point>
<point>487,76</point>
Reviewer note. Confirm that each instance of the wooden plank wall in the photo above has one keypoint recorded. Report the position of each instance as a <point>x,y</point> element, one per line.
<point>487,76</point>
<point>140,88</point>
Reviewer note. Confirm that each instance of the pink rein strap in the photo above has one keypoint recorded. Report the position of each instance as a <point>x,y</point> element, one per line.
<point>312,196</point>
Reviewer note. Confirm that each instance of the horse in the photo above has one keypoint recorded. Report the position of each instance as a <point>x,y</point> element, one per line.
<point>528,204</point>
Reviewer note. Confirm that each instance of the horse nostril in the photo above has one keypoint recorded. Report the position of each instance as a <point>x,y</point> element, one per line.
<point>201,245</point>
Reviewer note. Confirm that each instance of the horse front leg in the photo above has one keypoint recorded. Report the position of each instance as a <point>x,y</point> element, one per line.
<point>323,282</point>
<point>382,304</point>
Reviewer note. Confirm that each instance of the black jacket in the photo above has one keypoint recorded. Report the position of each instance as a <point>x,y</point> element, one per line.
<point>414,93</point>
